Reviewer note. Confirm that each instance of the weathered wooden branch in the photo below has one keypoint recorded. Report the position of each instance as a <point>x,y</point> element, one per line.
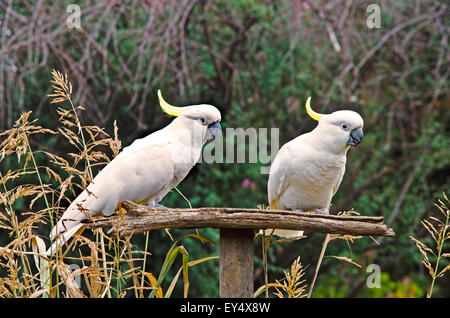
<point>140,218</point>
<point>236,232</point>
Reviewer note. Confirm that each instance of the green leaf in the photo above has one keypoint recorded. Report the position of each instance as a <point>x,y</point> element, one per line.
<point>168,262</point>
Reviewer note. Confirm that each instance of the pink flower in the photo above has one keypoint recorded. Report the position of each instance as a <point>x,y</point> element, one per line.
<point>248,183</point>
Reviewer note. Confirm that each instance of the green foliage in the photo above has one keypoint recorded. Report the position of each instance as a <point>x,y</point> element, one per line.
<point>405,288</point>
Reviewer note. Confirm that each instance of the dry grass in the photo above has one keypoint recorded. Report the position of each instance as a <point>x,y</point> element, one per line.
<point>291,286</point>
<point>106,265</point>
<point>294,285</point>
<point>329,238</point>
<point>438,229</point>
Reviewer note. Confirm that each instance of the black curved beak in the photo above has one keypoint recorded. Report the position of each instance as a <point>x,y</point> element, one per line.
<point>214,130</point>
<point>355,137</point>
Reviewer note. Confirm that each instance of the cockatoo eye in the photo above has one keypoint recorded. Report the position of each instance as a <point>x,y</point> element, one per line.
<point>344,126</point>
<point>203,120</point>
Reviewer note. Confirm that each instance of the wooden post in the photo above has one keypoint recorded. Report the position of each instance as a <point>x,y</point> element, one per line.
<point>236,263</point>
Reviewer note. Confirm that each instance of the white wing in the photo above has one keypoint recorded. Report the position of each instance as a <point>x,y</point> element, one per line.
<point>139,174</point>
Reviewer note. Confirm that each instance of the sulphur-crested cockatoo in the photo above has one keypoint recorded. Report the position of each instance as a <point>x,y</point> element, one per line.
<point>308,170</point>
<point>145,171</point>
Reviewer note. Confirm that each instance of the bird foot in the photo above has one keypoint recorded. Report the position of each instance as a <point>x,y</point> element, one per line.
<point>322,210</point>
<point>298,210</point>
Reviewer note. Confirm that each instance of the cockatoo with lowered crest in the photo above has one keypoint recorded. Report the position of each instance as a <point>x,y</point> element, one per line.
<point>145,171</point>
<point>308,170</point>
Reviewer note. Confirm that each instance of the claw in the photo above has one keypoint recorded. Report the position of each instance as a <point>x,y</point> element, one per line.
<point>321,210</point>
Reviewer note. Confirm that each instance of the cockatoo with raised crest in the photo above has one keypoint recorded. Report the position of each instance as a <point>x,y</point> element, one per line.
<point>308,170</point>
<point>145,171</point>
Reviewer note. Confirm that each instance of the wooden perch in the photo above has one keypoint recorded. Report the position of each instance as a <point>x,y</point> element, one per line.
<point>140,218</point>
<point>236,232</point>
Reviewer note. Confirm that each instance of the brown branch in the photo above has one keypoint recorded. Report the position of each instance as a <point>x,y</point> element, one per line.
<point>394,31</point>
<point>140,218</point>
<point>374,180</point>
<point>100,50</point>
<point>207,34</point>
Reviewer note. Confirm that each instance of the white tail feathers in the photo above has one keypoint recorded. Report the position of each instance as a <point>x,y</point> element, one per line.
<point>70,222</point>
<point>284,233</point>
<point>63,237</point>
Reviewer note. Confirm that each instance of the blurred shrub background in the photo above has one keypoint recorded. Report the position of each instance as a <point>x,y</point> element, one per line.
<point>257,61</point>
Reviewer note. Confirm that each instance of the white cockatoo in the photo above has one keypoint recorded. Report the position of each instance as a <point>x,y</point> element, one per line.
<point>308,170</point>
<point>145,171</point>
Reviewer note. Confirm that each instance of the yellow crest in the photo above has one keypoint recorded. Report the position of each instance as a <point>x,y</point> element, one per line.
<point>167,108</point>
<point>311,113</point>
